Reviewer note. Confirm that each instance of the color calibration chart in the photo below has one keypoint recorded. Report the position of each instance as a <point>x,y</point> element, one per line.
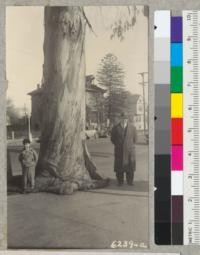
<point>177,127</point>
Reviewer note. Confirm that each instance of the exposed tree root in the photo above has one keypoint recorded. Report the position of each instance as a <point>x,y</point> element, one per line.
<point>89,164</point>
<point>58,185</point>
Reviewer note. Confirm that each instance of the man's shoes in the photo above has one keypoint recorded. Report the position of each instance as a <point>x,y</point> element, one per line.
<point>33,190</point>
<point>130,184</point>
<point>24,191</point>
<point>120,184</point>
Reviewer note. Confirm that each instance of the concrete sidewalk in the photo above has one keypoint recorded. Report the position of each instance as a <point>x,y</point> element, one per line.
<point>83,220</point>
<point>90,219</point>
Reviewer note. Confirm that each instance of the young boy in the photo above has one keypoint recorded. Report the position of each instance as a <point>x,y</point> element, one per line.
<point>28,159</point>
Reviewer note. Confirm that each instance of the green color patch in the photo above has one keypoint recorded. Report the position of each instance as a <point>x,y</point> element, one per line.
<point>177,79</point>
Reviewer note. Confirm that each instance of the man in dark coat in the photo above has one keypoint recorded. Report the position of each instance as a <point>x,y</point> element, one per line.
<point>123,136</point>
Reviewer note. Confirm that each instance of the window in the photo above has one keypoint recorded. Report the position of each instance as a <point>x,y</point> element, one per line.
<point>140,108</point>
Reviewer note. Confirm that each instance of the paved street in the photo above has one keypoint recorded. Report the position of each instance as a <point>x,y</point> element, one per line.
<point>92,219</point>
<point>102,152</point>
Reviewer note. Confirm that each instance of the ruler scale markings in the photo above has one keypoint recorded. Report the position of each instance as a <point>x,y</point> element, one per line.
<point>191,190</point>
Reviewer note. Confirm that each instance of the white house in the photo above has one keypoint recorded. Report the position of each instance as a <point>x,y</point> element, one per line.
<point>139,113</point>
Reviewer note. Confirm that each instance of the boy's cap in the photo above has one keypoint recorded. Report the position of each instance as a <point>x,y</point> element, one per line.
<point>26,140</point>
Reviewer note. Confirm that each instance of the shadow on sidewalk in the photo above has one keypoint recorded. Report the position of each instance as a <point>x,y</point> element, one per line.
<point>101,154</point>
<point>14,185</point>
<point>139,189</point>
<point>138,186</point>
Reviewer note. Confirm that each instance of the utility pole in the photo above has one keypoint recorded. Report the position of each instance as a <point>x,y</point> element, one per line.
<point>27,115</point>
<point>143,84</point>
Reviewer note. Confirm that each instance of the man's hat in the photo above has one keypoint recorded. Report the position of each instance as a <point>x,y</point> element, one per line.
<point>26,140</point>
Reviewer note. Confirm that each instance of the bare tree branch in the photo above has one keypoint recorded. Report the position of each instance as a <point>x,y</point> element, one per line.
<point>88,23</point>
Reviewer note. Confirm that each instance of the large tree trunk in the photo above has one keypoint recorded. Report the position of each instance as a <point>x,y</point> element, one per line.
<point>64,161</point>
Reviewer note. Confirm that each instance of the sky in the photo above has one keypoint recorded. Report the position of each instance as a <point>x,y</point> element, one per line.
<point>24,48</point>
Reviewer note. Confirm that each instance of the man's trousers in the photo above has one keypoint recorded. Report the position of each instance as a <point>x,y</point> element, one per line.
<point>129,177</point>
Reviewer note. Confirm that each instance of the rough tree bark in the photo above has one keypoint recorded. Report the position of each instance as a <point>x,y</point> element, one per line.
<point>64,162</point>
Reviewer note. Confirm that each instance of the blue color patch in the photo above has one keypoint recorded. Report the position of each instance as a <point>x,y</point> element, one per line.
<point>176,54</point>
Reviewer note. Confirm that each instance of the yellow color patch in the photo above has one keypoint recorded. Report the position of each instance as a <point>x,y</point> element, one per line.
<point>176,105</point>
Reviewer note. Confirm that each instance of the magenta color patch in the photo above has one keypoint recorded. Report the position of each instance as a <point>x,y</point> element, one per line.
<point>177,158</point>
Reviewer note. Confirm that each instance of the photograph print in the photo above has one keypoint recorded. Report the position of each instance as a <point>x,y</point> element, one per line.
<point>77,127</point>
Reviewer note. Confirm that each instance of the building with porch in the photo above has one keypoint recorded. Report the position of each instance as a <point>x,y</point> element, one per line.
<point>94,104</point>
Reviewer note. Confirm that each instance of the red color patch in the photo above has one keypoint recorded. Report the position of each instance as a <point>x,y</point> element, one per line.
<point>177,131</point>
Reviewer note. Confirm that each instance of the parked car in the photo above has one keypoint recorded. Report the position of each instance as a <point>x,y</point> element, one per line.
<point>103,133</point>
<point>92,133</point>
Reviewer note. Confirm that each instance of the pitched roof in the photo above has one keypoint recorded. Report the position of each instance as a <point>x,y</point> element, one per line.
<point>131,102</point>
<point>134,98</point>
<point>37,91</point>
<point>89,84</point>
<point>95,88</point>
